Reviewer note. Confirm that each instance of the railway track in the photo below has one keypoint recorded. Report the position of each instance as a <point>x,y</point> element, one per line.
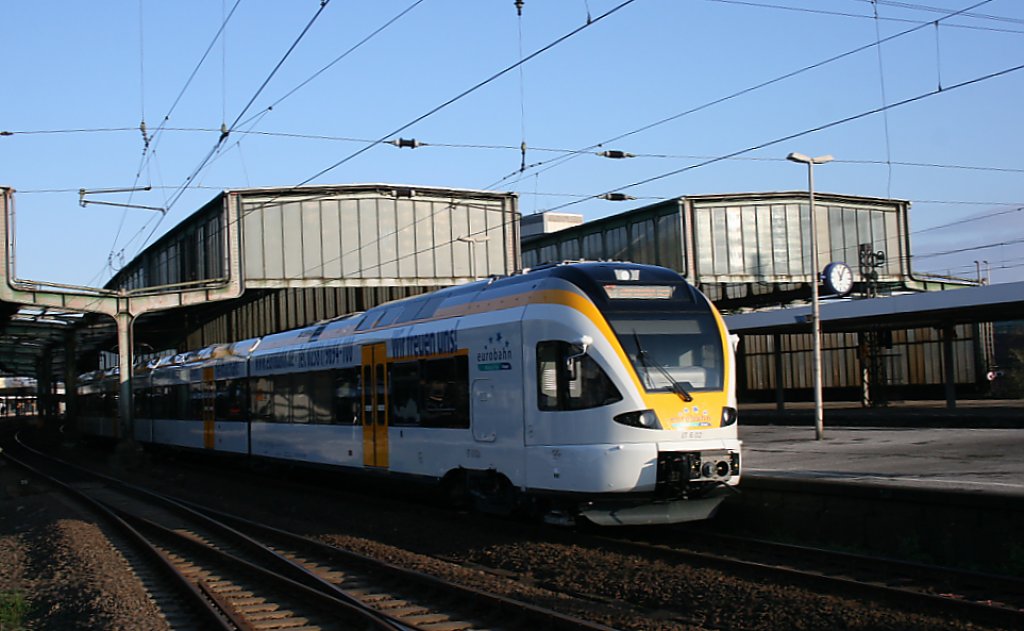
<point>239,574</point>
<point>971,596</point>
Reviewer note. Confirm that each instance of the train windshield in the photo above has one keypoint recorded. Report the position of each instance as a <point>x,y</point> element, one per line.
<point>673,352</point>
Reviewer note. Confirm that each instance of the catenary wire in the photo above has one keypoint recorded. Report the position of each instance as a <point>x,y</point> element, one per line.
<point>467,92</point>
<point>811,130</point>
<point>765,5</point>
<point>337,59</point>
<point>154,138</point>
<point>783,77</point>
<point>224,135</point>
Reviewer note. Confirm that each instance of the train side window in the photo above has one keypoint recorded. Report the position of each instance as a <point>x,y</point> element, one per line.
<point>347,396</point>
<point>262,393</point>
<point>548,371</point>
<point>194,411</point>
<point>320,397</point>
<point>142,403</point>
<point>302,403</point>
<point>406,393</point>
<point>160,402</point>
<point>231,399</point>
<point>585,386</point>
<point>182,404</point>
<point>445,392</point>
<point>280,400</point>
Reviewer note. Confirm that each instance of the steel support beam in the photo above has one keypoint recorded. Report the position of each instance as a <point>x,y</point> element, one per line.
<point>949,369</point>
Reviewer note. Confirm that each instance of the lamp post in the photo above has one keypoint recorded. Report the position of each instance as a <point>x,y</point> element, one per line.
<point>819,412</point>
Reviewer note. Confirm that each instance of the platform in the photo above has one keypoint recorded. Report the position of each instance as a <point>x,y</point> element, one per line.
<point>985,460</point>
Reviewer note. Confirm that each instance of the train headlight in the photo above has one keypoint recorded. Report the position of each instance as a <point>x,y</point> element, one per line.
<point>646,419</point>
<point>729,416</point>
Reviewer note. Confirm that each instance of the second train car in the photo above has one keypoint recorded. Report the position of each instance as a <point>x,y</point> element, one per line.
<point>596,390</point>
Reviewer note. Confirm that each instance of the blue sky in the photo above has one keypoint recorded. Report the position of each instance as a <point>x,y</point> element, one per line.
<point>80,77</point>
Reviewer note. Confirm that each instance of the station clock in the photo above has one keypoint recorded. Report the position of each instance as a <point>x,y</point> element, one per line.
<point>838,278</point>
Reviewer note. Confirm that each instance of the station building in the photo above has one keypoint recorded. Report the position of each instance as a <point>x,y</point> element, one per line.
<point>315,252</point>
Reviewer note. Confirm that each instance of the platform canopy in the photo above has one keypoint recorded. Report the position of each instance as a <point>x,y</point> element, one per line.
<point>25,333</point>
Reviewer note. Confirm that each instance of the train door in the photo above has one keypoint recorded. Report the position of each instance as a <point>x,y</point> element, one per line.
<point>375,406</point>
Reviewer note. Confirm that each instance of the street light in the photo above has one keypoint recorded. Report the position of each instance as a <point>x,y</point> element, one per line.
<point>819,412</point>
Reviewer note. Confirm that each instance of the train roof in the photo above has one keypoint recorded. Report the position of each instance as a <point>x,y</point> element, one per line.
<point>612,285</point>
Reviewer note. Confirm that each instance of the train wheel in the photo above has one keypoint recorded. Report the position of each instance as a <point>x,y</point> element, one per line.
<point>454,492</point>
<point>493,493</point>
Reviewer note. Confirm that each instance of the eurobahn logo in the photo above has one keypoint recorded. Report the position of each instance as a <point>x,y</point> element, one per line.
<point>496,354</point>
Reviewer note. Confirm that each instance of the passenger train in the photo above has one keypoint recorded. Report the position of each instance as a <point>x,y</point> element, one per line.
<point>598,390</point>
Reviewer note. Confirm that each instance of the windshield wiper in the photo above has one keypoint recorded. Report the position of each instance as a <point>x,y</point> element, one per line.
<point>644,360</point>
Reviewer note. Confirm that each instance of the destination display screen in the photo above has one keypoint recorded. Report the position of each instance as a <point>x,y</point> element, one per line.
<point>639,292</point>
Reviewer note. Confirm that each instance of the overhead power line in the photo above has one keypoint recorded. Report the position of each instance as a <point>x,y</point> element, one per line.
<point>708,104</point>
<point>819,11</point>
<point>930,9</point>
<point>227,131</point>
<point>468,91</point>
<point>335,61</point>
<point>973,248</point>
<point>960,222</point>
<point>805,132</point>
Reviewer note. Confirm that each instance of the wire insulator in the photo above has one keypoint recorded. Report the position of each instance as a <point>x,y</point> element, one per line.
<point>522,149</point>
<point>519,7</point>
<point>405,143</point>
<point>616,154</point>
<point>617,197</point>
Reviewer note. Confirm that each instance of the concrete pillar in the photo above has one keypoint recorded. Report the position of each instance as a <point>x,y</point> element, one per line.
<point>125,358</point>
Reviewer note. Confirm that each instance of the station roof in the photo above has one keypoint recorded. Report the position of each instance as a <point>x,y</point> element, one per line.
<point>27,332</point>
<point>991,303</point>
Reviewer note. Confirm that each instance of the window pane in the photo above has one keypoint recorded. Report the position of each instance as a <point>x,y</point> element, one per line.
<point>590,386</point>
<point>230,399</point>
<point>445,392</point>
<point>321,398</point>
<point>547,375</point>
<point>405,393</point>
<point>576,385</point>
<point>280,399</point>
<point>262,399</point>
<point>686,350</point>
<point>346,396</point>
<point>301,403</point>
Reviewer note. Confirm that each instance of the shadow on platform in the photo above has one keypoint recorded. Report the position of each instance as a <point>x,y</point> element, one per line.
<point>987,413</point>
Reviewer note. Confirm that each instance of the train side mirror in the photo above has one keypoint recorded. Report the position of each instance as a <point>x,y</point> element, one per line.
<point>578,350</point>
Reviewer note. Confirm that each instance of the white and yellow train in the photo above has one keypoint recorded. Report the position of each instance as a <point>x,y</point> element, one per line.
<point>601,390</point>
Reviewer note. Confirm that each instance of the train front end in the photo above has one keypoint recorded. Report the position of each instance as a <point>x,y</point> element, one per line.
<point>636,392</point>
